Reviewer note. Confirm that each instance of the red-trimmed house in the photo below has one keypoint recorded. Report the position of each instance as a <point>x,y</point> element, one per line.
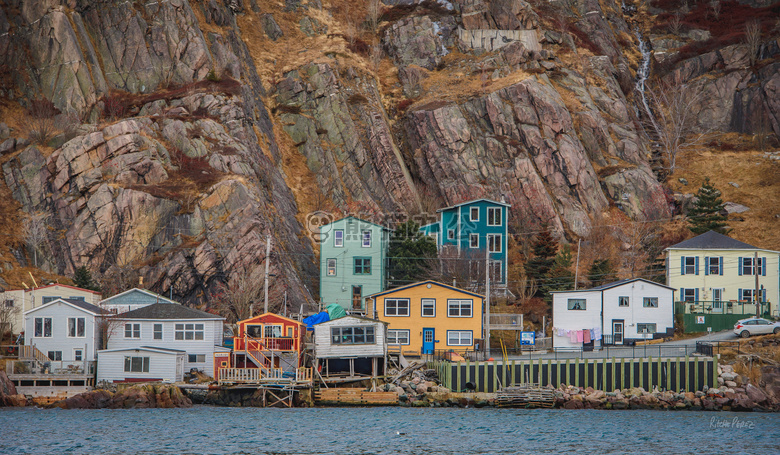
<point>269,343</point>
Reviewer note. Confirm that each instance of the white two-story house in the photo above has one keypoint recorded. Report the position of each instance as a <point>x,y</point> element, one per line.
<point>158,328</point>
<point>621,312</point>
<point>65,330</point>
<point>716,274</point>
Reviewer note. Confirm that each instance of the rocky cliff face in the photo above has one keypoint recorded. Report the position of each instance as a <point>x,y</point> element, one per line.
<point>176,170</point>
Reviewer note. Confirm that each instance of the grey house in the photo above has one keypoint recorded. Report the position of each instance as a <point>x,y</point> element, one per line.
<point>132,300</point>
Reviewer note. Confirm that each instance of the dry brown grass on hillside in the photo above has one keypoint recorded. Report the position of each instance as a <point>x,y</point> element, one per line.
<point>758,189</point>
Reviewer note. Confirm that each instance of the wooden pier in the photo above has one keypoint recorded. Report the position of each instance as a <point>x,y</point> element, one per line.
<point>354,397</point>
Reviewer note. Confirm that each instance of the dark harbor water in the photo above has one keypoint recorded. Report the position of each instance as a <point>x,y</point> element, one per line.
<point>211,430</point>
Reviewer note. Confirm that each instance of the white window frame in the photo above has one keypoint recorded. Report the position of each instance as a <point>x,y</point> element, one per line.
<point>130,364</point>
<point>689,269</point>
<point>685,291</point>
<point>397,308</point>
<point>188,331</point>
<point>450,234</point>
<point>577,304</point>
<point>472,238</point>
<point>199,358</point>
<point>393,336</point>
<point>365,235</point>
<point>626,299</point>
<point>55,356</point>
<point>473,210</point>
<point>134,331</point>
<point>647,302</point>
<point>431,304</point>
<point>74,329</point>
<point>647,325</point>
<point>156,332</point>
<point>78,354</point>
<point>349,335</point>
<point>330,267</point>
<point>460,338</point>
<point>457,307</point>
<point>494,216</point>
<point>42,333</point>
<point>717,265</point>
<point>751,267</point>
<point>493,244</point>
<point>338,240</point>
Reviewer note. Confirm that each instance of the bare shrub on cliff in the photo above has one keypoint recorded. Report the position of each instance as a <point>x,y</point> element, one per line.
<point>41,114</point>
<point>670,116</point>
<point>237,298</point>
<point>9,309</point>
<point>715,9</point>
<point>373,13</point>
<point>36,227</point>
<point>675,24</point>
<point>752,39</point>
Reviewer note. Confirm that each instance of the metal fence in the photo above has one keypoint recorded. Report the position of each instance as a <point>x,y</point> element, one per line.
<point>710,348</point>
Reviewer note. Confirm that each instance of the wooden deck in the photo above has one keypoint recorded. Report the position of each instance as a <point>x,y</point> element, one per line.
<point>263,376</point>
<point>354,397</point>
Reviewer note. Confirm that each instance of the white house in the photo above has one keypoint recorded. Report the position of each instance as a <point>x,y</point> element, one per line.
<point>132,299</point>
<point>170,326</point>
<point>622,312</point>
<point>353,345</point>
<point>17,301</point>
<point>66,330</point>
<point>141,364</point>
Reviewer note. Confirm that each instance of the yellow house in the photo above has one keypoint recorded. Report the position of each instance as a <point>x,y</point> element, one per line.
<point>429,316</point>
<point>715,274</point>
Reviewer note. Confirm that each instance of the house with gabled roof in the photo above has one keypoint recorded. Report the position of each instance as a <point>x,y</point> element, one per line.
<point>22,300</point>
<point>170,326</point>
<point>716,274</point>
<point>429,316</point>
<point>621,312</point>
<point>65,330</point>
<point>472,227</point>
<point>353,256</point>
<point>132,299</point>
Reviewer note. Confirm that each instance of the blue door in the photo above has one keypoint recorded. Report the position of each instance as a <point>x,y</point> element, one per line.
<point>427,345</point>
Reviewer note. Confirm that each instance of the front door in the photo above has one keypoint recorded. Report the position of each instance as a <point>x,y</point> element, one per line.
<point>617,332</point>
<point>717,300</point>
<point>357,296</point>
<point>427,346</point>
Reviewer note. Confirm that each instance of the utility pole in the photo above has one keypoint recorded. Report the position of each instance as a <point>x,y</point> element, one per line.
<point>267,259</point>
<point>487,299</point>
<point>577,267</point>
<point>756,296</point>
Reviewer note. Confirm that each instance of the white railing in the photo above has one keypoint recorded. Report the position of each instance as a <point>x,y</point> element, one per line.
<point>505,321</point>
<point>239,375</point>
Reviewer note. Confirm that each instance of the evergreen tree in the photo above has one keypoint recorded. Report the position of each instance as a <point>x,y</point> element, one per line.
<point>705,215</point>
<point>82,278</point>
<point>538,267</point>
<point>560,277</point>
<point>410,255</point>
<point>601,272</point>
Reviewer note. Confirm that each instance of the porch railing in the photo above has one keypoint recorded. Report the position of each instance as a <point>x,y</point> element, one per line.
<point>745,307</point>
<point>248,343</point>
<point>258,375</point>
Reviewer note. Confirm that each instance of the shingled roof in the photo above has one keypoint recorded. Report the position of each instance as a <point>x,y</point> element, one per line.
<point>168,311</point>
<point>86,306</point>
<point>712,240</point>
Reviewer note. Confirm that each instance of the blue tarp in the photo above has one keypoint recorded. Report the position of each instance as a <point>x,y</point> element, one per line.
<point>336,311</point>
<point>315,319</point>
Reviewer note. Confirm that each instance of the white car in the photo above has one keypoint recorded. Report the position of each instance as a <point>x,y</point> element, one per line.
<point>755,326</point>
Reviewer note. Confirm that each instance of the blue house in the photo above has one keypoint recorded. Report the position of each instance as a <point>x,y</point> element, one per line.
<point>353,255</point>
<point>132,299</point>
<point>472,227</point>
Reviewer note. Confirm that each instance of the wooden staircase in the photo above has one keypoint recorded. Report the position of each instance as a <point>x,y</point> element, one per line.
<point>31,353</point>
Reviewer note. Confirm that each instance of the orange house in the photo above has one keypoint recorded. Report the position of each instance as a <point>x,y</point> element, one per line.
<point>269,340</point>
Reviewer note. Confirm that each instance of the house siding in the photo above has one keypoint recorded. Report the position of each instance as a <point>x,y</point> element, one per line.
<point>59,312</point>
<point>338,288</point>
<point>731,281</point>
<point>441,323</point>
<point>161,365</point>
<point>212,336</point>
<point>26,300</point>
<point>325,349</point>
<point>132,300</point>
<point>566,319</point>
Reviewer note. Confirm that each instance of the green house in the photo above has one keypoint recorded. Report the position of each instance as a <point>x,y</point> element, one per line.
<point>473,226</point>
<point>353,256</point>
